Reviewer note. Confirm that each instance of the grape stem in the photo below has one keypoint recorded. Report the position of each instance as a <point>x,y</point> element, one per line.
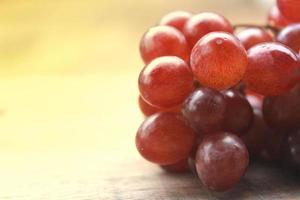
<point>269,27</point>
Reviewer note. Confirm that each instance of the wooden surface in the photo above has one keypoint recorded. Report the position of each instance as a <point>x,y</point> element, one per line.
<point>68,103</point>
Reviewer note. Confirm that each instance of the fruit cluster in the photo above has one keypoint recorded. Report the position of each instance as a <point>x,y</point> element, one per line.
<point>216,94</point>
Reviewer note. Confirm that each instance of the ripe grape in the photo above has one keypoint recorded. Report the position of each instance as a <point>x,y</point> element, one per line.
<point>255,100</point>
<point>165,138</point>
<point>283,112</point>
<point>255,138</point>
<point>201,24</point>
<point>166,82</point>
<point>290,36</point>
<point>239,113</point>
<point>219,60</point>
<point>221,161</point>
<point>179,167</point>
<point>292,149</point>
<point>146,108</point>
<point>290,9</point>
<point>176,19</point>
<point>276,19</point>
<point>205,110</point>
<point>253,36</point>
<point>163,41</point>
<point>273,69</point>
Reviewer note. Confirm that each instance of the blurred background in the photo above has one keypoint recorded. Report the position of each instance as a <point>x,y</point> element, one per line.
<point>69,68</point>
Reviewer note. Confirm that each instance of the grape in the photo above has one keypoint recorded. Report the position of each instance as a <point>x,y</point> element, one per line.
<point>165,138</point>
<point>239,113</point>
<point>290,9</point>
<point>283,112</point>
<point>255,100</point>
<point>253,36</point>
<point>219,60</point>
<point>291,148</point>
<point>255,138</point>
<point>179,167</point>
<point>166,82</point>
<point>163,41</point>
<point>276,19</point>
<point>274,147</point>
<point>290,36</point>
<point>205,110</point>
<point>176,19</point>
<point>146,108</point>
<point>201,24</point>
<point>273,69</point>
<point>221,161</point>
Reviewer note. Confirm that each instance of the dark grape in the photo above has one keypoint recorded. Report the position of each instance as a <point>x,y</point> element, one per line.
<point>221,161</point>
<point>176,19</point>
<point>165,138</point>
<point>253,36</point>
<point>292,149</point>
<point>290,9</point>
<point>273,69</point>
<point>256,137</point>
<point>166,82</point>
<point>205,110</point>
<point>163,41</point>
<point>219,60</point>
<point>201,24</point>
<point>239,113</point>
<point>283,112</point>
<point>290,36</point>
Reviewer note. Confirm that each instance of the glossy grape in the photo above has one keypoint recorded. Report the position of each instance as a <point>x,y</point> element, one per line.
<point>166,82</point>
<point>290,9</point>
<point>253,36</point>
<point>219,60</point>
<point>290,36</point>
<point>276,19</point>
<point>255,99</point>
<point>205,110</point>
<point>163,41</point>
<point>176,19</point>
<point>201,24</point>
<point>283,112</point>
<point>146,108</point>
<point>239,113</point>
<point>273,69</point>
<point>221,161</point>
<point>292,149</point>
<point>256,137</point>
<point>179,167</point>
<point>165,138</point>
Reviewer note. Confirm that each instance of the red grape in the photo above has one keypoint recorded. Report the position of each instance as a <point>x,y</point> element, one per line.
<point>291,148</point>
<point>290,36</point>
<point>239,113</point>
<point>273,69</point>
<point>253,36</point>
<point>163,41</point>
<point>201,24</point>
<point>255,100</point>
<point>290,9</point>
<point>146,108</point>
<point>165,138</point>
<point>176,19</point>
<point>166,82</point>
<point>179,167</point>
<point>205,110</point>
<point>221,161</point>
<point>219,60</point>
<point>255,138</point>
<point>283,112</point>
<point>276,19</point>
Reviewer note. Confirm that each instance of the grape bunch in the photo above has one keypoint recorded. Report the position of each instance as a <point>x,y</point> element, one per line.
<point>216,95</point>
